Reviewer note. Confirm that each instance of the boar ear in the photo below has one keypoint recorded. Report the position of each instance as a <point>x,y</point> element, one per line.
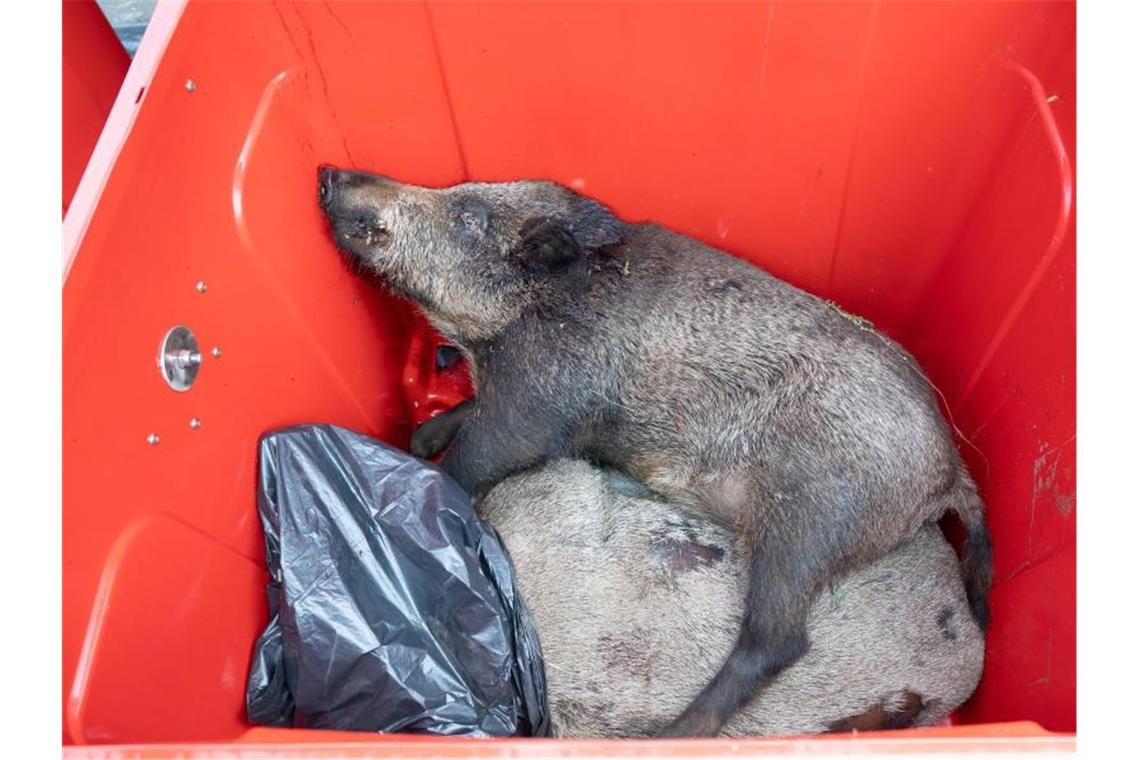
<point>593,225</point>
<point>546,246</point>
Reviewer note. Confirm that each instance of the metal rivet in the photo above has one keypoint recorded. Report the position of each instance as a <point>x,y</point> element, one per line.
<point>216,353</point>
<point>200,287</point>
<point>195,423</point>
<point>152,439</point>
<point>190,86</point>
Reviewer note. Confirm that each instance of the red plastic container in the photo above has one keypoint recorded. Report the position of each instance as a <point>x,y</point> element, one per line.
<point>94,64</point>
<point>911,161</point>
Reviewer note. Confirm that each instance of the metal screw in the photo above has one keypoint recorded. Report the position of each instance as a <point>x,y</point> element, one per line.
<point>195,423</point>
<point>179,358</point>
<point>190,86</point>
<point>152,439</point>
<point>216,353</point>
<point>200,287</point>
<point>184,358</point>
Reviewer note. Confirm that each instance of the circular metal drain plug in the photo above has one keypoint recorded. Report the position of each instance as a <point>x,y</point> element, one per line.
<point>179,358</point>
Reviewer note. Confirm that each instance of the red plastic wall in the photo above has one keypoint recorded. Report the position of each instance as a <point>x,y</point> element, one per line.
<point>94,64</point>
<point>912,161</point>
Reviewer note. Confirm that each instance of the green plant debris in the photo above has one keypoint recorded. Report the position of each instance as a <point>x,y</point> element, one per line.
<point>837,596</point>
<point>861,322</point>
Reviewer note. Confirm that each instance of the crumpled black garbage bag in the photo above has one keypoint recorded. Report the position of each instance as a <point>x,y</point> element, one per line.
<point>392,606</point>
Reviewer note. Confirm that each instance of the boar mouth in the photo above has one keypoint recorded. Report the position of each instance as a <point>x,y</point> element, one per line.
<point>369,232</point>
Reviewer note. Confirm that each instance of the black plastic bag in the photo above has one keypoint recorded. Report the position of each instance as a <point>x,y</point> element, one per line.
<point>392,606</point>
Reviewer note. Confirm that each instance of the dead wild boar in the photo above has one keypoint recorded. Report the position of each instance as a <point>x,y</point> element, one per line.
<point>637,603</point>
<point>808,433</point>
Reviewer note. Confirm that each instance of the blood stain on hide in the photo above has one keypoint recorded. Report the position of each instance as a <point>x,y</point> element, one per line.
<point>625,655</point>
<point>884,716</point>
<point>683,556</point>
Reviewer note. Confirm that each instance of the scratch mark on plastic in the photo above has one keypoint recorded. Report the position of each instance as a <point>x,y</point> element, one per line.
<point>288,32</point>
<point>337,19</point>
<point>1045,480</point>
<point>447,91</point>
<point>766,44</point>
<point>849,169</point>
